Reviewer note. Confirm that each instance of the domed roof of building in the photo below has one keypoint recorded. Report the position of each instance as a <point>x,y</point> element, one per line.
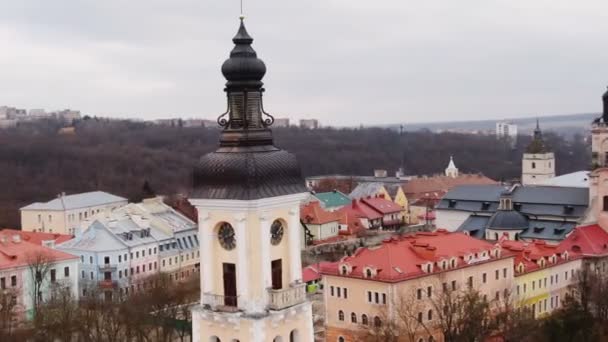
<point>247,165</point>
<point>508,220</point>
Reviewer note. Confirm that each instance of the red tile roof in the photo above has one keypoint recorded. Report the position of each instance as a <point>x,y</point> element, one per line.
<point>352,221</point>
<point>313,213</point>
<point>15,252</point>
<point>417,187</point>
<point>530,254</point>
<point>36,237</point>
<point>403,258</point>
<point>362,210</point>
<point>311,272</point>
<point>381,205</point>
<point>588,240</point>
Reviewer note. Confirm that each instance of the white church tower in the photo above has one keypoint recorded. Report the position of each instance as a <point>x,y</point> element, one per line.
<point>538,163</point>
<point>451,170</point>
<point>248,195</point>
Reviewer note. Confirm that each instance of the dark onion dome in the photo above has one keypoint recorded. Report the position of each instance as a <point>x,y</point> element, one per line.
<point>247,165</point>
<point>243,67</point>
<point>508,220</point>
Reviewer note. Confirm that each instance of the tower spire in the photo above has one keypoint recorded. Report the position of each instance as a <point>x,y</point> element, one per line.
<point>605,101</point>
<point>245,122</point>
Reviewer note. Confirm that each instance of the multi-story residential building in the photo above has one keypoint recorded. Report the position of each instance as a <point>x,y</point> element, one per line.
<point>368,217</point>
<point>64,214</point>
<point>527,212</point>
<point>281,122</point>
<point>392,213</point>
<point>309,123</point>
<point>543,274</point>
<point>409,273</point>
<point>21,260</point>
<point>506,130</point>
<point>318,223</point>
<point>120,249</point>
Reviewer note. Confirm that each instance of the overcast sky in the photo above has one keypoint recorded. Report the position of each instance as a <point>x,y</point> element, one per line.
<point>345,62</point>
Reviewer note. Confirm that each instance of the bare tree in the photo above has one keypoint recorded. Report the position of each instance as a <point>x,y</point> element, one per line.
<point>39,265</point>
<point>8,306</point>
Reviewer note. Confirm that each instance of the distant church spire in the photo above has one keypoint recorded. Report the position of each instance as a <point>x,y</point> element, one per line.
<point>451,170</point>
<point>537,145</point>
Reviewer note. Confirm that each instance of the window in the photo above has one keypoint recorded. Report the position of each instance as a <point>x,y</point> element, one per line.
<point>66,272</point>
<point>91,275</point>
<point>149,251</point>
<point>470,282</point>
<point>120,274</point>
<point>339,291</point>
<point>106,260</point>
<point>420,317</point>
<point>445,287</point>
<point>497,296</point>
<point>2,283</point>
<point>533,165</point>
<point>384,298</point>
<point>376,297</point>
<point>163,262</point>
<point>137,254</point>
<point>369,296</point>
<point>364,319</point>
<point>340,339</point>
<point>368,273</point>
<point>345,293</point>
<point>353,317</point>
<point>504,272</point>
<point>497,274</point>
<point>377,322</point>
<point>143,268</point>
<point>483,278</point>
<point>131,255</point>
<point>453,285</point>
<point>91,259</point>
<point>517,289</point>
<point>341,315</point>
<point>430,315</point>
<point>53,276</point>
<point>120,258</point>
<point>125,256</point>
<point>331,288</point>
<point>13,281</point>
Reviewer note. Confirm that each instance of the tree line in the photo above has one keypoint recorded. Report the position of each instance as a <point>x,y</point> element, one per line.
<point>121,156</point>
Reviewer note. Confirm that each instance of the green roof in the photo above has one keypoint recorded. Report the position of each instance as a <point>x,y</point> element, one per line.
<point>332,199</point>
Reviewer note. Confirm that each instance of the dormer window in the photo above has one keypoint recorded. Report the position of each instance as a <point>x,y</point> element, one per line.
<point>427,268</point>
<point>452,204</point>
<point>566,255</point>
<point>485,206</point>
<point>553,259</point>
<point>453,263</point>
<point>343,270</point>
<point>444,265</point>
<point>521,268</point>
<point>496,252</point>
<point>541,262</point>
<point>369,272</point>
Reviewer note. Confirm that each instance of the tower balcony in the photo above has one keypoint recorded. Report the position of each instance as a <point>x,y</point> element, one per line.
<point>220,303</point>
<point>284,298</point>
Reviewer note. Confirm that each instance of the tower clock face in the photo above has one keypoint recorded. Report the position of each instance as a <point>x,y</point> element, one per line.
<point>276,232</point>
<point>226,236</point>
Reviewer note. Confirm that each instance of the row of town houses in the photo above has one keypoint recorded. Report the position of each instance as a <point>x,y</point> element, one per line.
<point>95,243</point>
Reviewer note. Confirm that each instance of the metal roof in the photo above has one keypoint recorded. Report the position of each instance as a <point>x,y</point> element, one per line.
<point>76,201</point>
<point>332,199</point>
<point>366,190</point>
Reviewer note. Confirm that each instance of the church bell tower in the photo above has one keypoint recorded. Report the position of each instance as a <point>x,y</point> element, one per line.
<point>538,163</point>
<point>248,194</point>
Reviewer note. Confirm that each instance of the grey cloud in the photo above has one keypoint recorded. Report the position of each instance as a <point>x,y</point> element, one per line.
<point>344,62</point>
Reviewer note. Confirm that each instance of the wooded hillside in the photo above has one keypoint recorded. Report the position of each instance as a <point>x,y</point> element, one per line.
<point>37,163</point>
